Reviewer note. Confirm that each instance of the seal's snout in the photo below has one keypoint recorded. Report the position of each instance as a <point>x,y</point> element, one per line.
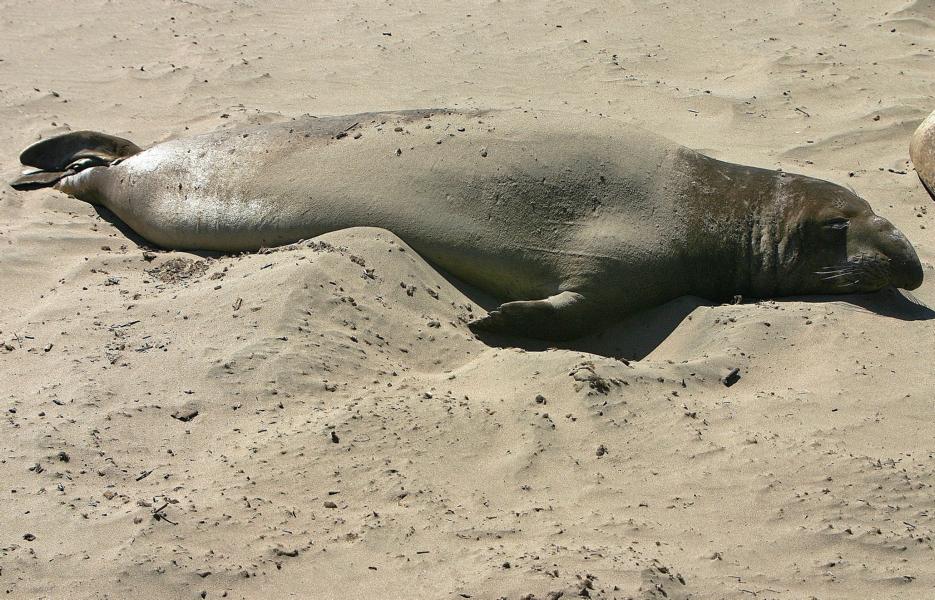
<point>907,270</point>
<point>905,266</point>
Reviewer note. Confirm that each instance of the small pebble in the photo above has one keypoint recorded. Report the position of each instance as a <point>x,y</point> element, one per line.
<point>732,377</point>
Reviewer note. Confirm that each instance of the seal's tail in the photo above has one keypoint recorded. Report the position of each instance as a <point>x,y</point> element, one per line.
<point>66,154</point>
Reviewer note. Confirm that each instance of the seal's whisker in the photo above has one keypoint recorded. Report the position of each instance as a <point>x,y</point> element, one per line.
<point>829,270</point>
<point>830,277</point>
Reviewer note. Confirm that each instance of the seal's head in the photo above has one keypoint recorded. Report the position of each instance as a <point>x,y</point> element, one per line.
<point>836,244</point>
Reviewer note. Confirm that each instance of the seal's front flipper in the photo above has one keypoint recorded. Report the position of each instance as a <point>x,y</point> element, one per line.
<point>67,154</point>
<point>565,316</point>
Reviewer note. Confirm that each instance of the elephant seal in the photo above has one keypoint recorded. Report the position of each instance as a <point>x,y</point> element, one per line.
<point>922,153</point>
<point>577,220</point>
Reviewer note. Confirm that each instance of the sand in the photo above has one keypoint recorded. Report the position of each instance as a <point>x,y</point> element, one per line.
<point>318,421</point>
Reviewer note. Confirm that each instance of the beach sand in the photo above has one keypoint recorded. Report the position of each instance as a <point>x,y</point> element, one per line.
<point>318,422</point>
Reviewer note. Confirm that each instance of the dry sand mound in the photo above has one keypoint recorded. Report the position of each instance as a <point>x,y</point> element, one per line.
<point>319,417</point>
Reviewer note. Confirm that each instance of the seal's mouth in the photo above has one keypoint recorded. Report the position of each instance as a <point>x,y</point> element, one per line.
<point>908,276</point>
<point>871,272</point>
<point>905,266</point>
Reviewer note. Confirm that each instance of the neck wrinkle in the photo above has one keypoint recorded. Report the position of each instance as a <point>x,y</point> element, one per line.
<point>750,248</point>
<point>761,250</point>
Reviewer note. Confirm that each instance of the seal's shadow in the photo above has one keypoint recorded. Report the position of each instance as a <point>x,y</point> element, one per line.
<point>638,335</point>
<point>107,215</point>
<point>632,338</point>
<point>140,241</point>
<point>888,302</point>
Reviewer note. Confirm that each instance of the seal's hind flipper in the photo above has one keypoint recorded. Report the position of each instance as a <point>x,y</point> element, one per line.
<point>564,316</point>
<point>39,179</point>
<point>67,154</point>
<point>56,153</point>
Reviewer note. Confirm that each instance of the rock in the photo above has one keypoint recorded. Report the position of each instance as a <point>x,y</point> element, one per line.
<point>185,415</point>
<point>732,377</point>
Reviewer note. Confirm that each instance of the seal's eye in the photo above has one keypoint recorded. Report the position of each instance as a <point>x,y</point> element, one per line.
<point>837,224</point>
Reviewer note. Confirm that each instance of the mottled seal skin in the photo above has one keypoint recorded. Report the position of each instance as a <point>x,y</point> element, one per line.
<point>577,220</point>
<point>922,153</point>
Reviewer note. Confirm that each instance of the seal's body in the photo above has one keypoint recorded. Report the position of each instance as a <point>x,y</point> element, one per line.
<point>580,219</point>
<point>922,152</point>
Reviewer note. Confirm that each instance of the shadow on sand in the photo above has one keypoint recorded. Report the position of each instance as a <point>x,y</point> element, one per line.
<point>888,302</point>
<point>636,336</point>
